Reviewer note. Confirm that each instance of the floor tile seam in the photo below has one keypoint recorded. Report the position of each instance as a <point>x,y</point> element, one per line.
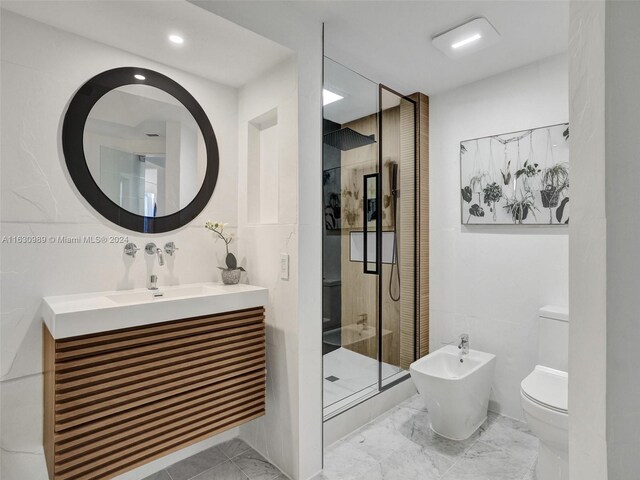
<point>378,467</point>
<point>245,473</point>
<point>469,448</point>
<point>451,467</point>
<point>237,454</point>
<point>372,457</point>
<point>464,452</point>
<point>511,430</point>
<point>211,468</point>
<point>238,467</point>
<point>503,450</point>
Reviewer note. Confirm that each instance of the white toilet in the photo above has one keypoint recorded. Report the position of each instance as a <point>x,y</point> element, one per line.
<point>544,394</point>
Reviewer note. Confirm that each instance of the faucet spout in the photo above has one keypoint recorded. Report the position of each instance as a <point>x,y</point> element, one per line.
<point>463,346</point>
<point>152,249</point>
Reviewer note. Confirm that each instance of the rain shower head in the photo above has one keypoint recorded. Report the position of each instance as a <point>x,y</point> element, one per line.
<point>347,139</point>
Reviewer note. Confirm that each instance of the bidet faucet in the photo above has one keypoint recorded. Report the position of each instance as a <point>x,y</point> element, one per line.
<point>152,249</point>
<point>463,345</point>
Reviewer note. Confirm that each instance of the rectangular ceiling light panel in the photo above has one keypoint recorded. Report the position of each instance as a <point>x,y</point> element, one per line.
<point>467,38</point>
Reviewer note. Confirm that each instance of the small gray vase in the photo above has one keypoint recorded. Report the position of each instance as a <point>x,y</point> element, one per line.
<point>231,276</point>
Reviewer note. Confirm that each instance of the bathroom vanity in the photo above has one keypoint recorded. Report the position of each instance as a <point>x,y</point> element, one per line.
<point>130,377</point>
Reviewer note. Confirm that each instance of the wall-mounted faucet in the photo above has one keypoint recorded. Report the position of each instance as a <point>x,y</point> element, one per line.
<point>152,249</point>
<point>463,345</point>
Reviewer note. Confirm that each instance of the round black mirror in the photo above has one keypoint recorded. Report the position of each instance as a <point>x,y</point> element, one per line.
<point>140,149</point>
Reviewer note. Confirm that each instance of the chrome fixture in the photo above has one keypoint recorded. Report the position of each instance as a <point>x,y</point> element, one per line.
<point>170,248</point>
<point>152,249</point>
<point>463,346</point>
<point>131,249</point>
<point>153,282</point>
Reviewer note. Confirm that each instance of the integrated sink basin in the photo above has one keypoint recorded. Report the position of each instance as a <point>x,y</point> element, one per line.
<point>82,314</point>
<point>185,291</point>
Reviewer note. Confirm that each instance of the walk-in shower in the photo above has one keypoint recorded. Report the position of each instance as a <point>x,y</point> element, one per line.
<point>369,246</point>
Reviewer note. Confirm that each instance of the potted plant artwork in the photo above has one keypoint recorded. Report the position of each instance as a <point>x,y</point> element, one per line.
<point>492,195</point>
<point>231,274</point>
<point>475,187</point>
<point>555,180</point>
<point>527,171</point>
<point>520,209</point>
<point>505,180</point>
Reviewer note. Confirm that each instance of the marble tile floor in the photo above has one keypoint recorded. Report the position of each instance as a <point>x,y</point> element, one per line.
<point>232,460</point>
<point>400,445</point>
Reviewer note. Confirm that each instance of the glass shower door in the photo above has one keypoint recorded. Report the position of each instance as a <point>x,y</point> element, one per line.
<point>369,251</point>
<point>351,201</point>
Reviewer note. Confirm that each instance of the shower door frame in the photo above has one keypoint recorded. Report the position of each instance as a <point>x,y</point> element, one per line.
<point>381,87</point>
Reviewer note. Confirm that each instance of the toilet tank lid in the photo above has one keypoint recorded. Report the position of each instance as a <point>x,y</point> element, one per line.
<point>554,312</point>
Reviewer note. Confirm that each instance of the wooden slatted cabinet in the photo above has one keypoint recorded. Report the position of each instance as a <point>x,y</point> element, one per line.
<point>119,399</point>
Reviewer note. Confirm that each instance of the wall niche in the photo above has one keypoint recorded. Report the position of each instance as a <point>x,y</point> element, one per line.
<point>263,169</point>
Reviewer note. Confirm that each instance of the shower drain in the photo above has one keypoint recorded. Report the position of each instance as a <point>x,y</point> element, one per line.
<point>332,378</point>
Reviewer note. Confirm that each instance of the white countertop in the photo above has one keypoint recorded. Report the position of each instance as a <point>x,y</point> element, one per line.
<point>82,314</point>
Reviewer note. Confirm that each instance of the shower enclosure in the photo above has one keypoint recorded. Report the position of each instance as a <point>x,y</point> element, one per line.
<point>369,247</point>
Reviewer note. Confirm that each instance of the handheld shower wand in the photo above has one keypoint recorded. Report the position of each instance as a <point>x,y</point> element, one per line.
<point>395,261</point>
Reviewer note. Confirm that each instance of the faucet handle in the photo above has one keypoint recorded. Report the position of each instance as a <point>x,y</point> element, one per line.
<point>170,248</point>
<point>131,249</point>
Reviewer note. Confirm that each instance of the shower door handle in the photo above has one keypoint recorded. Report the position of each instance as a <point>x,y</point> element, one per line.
<point>371,213</point>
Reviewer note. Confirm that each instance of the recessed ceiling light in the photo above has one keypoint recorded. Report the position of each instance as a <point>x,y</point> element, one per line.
<point>467,38</point>
<point>139,77</point>
<point>329,97</point>
<point>467,41</point>
<point>176,39</point>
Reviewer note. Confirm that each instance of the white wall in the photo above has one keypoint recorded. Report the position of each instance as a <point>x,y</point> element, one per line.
<point>280,22</point>
<point>490,281</point>
<point>622,71</point>
<point>274,435</point>
<point>41,69</point>
<point>587,259</point>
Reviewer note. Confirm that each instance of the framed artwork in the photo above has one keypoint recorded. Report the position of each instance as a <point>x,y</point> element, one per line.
<point>519,178</point>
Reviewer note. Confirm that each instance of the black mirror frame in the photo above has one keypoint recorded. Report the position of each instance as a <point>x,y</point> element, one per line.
<point>73,149</point>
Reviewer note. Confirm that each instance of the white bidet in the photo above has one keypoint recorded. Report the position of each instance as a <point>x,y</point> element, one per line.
<point>456,389</point>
